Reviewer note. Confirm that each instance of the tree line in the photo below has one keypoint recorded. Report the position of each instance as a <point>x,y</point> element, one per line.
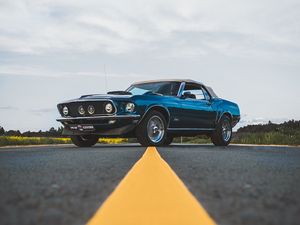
<point>289,127</point>
<point>52,132</point>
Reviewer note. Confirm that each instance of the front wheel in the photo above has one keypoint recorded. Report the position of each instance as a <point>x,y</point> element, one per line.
<point>168,140</point>
<point>84,140</point>
<point>223,133</point>
<point>152,130</point>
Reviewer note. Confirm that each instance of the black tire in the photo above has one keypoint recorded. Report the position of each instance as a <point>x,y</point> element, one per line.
<point>219,138</point>
<point>168,140</point>
<point>84,141</point>
<point>142,132</point>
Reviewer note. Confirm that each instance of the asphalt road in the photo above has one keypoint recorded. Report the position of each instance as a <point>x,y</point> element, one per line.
<point>66,185</point>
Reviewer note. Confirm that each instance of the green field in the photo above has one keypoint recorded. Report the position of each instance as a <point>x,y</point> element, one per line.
<point>269,138</point>
<point>17,140</point>
<point>258,138</point>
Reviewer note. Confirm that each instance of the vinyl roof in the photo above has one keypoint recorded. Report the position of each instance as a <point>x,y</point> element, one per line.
<point>209,89</point>
<point>169,80</point>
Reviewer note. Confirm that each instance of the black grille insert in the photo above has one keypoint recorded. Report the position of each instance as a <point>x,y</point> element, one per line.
<point>98,105</point>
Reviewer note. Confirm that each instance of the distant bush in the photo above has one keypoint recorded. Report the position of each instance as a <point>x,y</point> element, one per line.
<point>287,133</point>
<point>2,131</point>
<point>288,127</point>
<point>17,140</point>
<point>273,138</point>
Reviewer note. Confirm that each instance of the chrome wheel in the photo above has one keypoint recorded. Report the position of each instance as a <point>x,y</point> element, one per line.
<point>155,129</point>
<point>84,138</point>
<point>226,130</point>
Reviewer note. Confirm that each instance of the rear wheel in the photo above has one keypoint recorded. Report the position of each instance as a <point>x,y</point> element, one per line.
<point>84,140</point>
<point>223,133</point>
<point>152,130</point>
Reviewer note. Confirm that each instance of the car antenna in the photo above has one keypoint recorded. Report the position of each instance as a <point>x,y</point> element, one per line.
<point>105,78</point>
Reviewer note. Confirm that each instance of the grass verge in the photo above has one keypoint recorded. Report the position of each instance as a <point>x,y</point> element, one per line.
<point>265,138</point>
<point>255,138</point>
<point>17,140</point>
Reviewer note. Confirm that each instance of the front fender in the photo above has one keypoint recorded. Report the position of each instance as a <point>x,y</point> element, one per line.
<point>226,107</point>
<point>144,104</point>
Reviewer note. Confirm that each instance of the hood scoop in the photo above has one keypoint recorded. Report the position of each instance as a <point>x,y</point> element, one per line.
<point>119,93</point>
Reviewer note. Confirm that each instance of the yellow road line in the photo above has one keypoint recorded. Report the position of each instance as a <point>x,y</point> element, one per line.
<point>151,194</point>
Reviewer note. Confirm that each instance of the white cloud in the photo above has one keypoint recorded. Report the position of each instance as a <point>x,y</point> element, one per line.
<point>37,71</point>
<point>248,51</point>
<point>239,27</point>
<point>8,108</point>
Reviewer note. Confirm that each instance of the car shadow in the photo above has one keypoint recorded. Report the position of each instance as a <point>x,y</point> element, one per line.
<point>136,145</point>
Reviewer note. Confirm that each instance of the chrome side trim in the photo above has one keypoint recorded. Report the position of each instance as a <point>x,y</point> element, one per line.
<point>63,119</point>
<point>192,129</point>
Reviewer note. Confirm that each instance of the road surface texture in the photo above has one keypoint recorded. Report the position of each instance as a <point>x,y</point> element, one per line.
<point>66,185</point>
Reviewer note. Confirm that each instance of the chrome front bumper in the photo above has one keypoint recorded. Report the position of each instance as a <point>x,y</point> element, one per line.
<point>113,117</point>
<point>105,126</point>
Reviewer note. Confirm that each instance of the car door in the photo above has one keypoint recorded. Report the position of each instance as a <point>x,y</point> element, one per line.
<point>196,109</point>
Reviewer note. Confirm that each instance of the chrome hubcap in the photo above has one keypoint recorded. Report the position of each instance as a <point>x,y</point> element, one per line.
<point>226,130</point>
<point>155,129</point>
<point>84,138</point>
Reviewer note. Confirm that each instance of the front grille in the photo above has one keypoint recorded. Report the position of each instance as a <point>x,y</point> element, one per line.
<point>98,105</point>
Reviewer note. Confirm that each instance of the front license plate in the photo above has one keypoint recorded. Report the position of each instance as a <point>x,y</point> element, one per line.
<point>82,127</point>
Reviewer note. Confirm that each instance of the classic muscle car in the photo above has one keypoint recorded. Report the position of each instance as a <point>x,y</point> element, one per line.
<point>152,111</point>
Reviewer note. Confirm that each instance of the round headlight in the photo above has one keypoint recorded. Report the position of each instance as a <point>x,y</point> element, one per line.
<point>91,109</point>
<point>81,110</point>
<point>108,108</point>
<point>129,107</point>
<point>65,110</point>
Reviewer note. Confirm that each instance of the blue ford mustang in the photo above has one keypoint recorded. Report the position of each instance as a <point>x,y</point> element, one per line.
<point>153,111</point>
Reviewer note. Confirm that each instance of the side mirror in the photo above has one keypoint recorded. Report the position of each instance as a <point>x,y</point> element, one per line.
<point>188,94</point>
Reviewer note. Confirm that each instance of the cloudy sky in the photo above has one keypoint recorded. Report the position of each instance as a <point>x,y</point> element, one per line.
<point>53,50</point>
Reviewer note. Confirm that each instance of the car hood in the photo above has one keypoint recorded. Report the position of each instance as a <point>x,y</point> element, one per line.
<point>96,97</point>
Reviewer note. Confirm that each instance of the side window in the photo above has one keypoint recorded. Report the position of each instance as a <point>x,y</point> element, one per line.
<point>195,90</point>
<point>169,89</point>
<point>198,93</point>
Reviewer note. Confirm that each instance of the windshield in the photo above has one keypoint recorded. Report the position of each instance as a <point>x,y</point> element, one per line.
<point>164,88</point>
